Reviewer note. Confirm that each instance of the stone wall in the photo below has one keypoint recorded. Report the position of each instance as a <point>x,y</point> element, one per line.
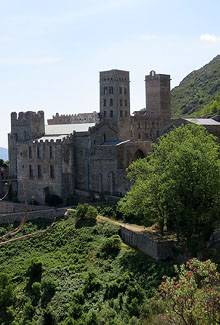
<point>149,244</point>
<point>74,118</point>
<point>10,218</point>
<point>10,207</point>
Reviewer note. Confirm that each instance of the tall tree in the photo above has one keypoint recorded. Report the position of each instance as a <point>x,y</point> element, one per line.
<point>179,183</point>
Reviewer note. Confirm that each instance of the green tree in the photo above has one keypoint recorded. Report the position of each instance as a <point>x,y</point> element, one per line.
<point>178,184</point>
<point>212,108</point>
<point>193,296</point>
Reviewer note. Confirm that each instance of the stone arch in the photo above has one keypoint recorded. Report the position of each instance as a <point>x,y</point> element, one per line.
<point>138,154</point>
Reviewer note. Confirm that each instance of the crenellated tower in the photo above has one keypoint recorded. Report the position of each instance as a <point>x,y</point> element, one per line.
<point>24,126</point>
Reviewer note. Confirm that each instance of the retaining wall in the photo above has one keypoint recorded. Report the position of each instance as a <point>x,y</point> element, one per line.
<point>10,207</point>
<point>149,244</point>
<point>9,218</point>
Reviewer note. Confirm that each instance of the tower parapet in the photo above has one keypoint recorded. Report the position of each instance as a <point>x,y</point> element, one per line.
<point>27,125</point>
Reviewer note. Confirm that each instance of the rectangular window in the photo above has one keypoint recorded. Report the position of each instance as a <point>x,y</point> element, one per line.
<point>38,152</point>
<point>125,91</point>
<point>121,102</point>
<point>52,172</point>
<point>111,102</point>
<point>31,172</point>
<point>111,113</point>
<point>120,90</point>
<point>126,102</point>
<point>30,152</point>
<point>110,90</point>
<point>105,90</point>
<point>104,102</point>
<point>51,152</point>
<point>121,113</point>
<point>104,113</point>
<point>39,171</point>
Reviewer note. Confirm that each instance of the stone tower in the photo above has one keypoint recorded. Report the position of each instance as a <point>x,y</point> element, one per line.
<point>24,126</point>
<point>158,96</point>
<point>115,100</point>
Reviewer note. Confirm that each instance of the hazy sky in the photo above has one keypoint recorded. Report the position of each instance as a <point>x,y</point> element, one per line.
<point>51,51</point>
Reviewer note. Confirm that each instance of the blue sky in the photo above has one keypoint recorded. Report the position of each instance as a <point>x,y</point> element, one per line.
<point>51,51</point>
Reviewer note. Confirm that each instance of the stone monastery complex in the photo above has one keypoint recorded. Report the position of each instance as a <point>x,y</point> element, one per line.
<point>87,154</point>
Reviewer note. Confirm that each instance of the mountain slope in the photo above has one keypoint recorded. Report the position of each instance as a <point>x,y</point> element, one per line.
<point>3,153</point>
<point>196,90</point>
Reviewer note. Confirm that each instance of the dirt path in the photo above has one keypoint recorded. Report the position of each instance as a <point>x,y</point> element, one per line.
<point>153,231</point>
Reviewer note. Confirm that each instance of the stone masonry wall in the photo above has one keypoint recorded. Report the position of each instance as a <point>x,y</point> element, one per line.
<point>148,244</point>
<point>47,214</point>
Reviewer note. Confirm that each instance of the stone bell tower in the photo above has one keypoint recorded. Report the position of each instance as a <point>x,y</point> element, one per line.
<point>115,100</point>
<point>158,96</point>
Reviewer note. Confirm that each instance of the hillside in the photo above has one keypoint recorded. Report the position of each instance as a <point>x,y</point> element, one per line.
<point>196,90</point>
<point>3,154</point>
<point>72,280</point>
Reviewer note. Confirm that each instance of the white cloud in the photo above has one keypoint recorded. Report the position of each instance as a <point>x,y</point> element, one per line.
<point>28,61</point>
<point>145,37</point>
<point>209,37</point>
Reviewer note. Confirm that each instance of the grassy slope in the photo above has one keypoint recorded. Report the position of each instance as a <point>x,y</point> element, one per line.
<point>196,90</point>
<point>68,254</point>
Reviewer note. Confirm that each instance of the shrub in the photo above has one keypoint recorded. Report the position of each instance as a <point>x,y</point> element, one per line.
<point>36,288</point>
<point>91,283</point>
<point>35,271</point>
<point>48,290</point>
<point>85,215</point>
<point>29,311</point>
<point>86,211</point>
<point>111,246</point>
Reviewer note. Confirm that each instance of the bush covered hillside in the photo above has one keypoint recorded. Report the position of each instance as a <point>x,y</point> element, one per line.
<point>75,275</point>
<point>196,90</point>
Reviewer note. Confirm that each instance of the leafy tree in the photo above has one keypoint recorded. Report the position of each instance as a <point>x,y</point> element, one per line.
<point>193,297</point>
<point>178,184</point>
<point>212,108</point>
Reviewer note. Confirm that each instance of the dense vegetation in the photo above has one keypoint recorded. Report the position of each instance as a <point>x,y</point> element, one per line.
<point>178,184</point>
<point>75,275</point>
<point>196,90</point>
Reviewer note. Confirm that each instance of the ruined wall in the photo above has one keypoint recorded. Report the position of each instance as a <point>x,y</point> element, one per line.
<point>148,244</point>
<point>74,118</point>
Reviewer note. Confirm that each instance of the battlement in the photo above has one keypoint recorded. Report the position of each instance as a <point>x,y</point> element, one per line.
<point>29,115</point>
<point>27,125</point>
<point>74,118</point>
